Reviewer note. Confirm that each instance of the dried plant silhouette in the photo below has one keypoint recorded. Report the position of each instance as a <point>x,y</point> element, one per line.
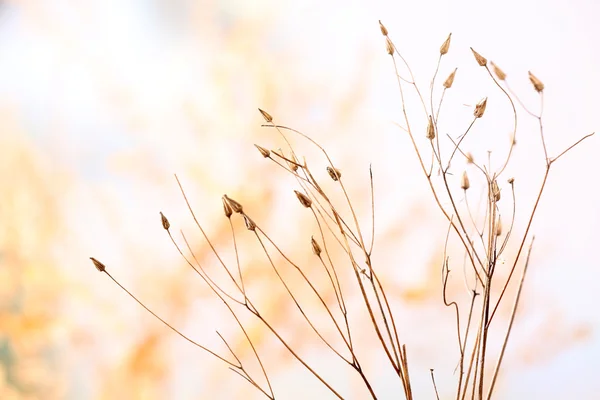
<point>484,236</point>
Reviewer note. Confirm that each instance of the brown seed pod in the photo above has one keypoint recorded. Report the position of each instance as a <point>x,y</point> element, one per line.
<point>315,246</point>
<point>430,129</point>
<point>389,46</point>
<point>304,200</point>
<point>446,45</point>
<point>450,80</point>
<point>226,207</point>
<point>384,31</point>
<point>464,181</point>
<point>266,115</point>
<point>481,60</point>
<point>235,206</point>
<point>165,221</point>
<point>249,223</point>
<point>334,173</point>
<point>537,84</point>
<point>499,73</point>
<point>99,266</point>
<point>265,153</point>
<point>480,108</point>
<point>495,191</point>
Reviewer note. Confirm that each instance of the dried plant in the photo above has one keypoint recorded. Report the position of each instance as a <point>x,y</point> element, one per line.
<point>483,237</point>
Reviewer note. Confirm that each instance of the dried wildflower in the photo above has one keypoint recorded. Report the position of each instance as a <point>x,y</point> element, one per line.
<point>511,180</point>
<point>450,80</point>
<point>315,246</point>
<point>389,46</point>
<point>481,60</point>
<point>430,129</point>
<point>334,173</point>
<point>235,206</point>
<point>99,266</point>
<point>464,181</point>
<point>227,208</point>
<point>480,108</point>
<point>384,31</point>
<point>265,153</point>
<point>249,223</point>
<point>165,221</point>
<point>499,73</point>
<point>499,227</point>
<point>537,84</point>
<point>266,115</point>
<point>304,200</point>
<point>446,45</point>
<point>495,191</point>
<point>469,157</point>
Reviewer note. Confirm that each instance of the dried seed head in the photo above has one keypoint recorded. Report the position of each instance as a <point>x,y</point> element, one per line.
<point>495,191</point>
<point>481,60</point>
<point>304,200</point>
<point>334,173</point>
<point>99,266</point>
<point>430,129</point>
<point>450,80</point>
<point>249,223</point>
<point>537,84</point>
<point>499,227</point>
<point>470,159</point>
<point>266,115</point>
<point>511,180</point>
<point>315,246</point>
<point>499,73</point>
<point>480,108</point>
<point>226,207</point>
<point>235,206</point>
<point>389,46</point>
<point>265,153</point>
<point>446,45</point>
<point>165,221</point>
<point>384,31</point>
<point>464,181</point>
<point>293,165</point>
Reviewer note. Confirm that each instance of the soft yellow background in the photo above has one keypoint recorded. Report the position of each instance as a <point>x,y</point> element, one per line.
<point>102,101</point>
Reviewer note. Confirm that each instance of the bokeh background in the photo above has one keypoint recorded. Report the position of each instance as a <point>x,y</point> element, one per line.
<point>102,101</point>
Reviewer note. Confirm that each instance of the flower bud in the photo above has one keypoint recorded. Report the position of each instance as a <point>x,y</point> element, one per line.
<point>249,223</point>
<point>495,191</point>
<point>480,108</point>
<point>481,60</point>
<point>389,46</point>
<point>499,73</point>
<point>537,84</point>
<point>315,246</point>
<point>384,31</point>
<point>445,46</point>
<point>227,208</point>
<point>99,266</point>
<point>304,200</point>
<point>334,173</point>
<point>266,115</point>
<point>464,181</point>
<point>235,206</point>
<point>430,129</point>
<point>450,80</point>
<point>165,222</point>
<point>265,153</point>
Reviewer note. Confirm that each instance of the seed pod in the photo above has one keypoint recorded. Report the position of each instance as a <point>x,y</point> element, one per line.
<point>99,266</point>
<point>249,223</point>
<point>481,60</point>
<point>266,115</point>
<point>495,191</point>
<point>165,221</point>
<point>430,129</point>
<point>294,164</point>
<point>480,108</point>
<point>511,180</point>
<point>499,227</point>
<point>389,46</point>
<point>304,200</point>
<point>384,31</point>
<point>265,153</point>
<point>226,207</point>
<point>315,246</point>
<point>464,181</point>
<point>499,73</point>
<point>537,84</point>
<point>235,206</point>
<point>450,80</point>
<point>446,45</point>
<point>334,173</point>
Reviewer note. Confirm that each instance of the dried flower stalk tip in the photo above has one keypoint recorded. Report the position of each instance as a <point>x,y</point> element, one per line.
<point>315,246</point>
<point>495,191</point>
<point>265,153</point>
<point>249,223</point>
<point>480,108</point>
<point>99,266</point>
<point>334,173</point>
<point>389,46</point>
<point>430,129</point>
<point>464,181</point>
<point>227,208</point>
<point>450,80</point>
<point>481,60</point>
<point>384,31</point>
<point>446,45</point>
<point>511,180</point>
<point>235,206</point>
<point>304,200</point>
<point>499,73</point>
<point>499,227</point>
<point>537,84</point>
<point>165,221</point>
<point>266,115</point>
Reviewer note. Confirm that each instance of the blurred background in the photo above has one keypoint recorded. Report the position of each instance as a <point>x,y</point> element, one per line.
<point>101,102</point>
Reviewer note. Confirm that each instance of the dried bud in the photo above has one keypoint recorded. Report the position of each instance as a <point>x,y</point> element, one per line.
<point>266,115</point>
<point>464,181</point>
<point>384,31</point>
<point>99,266</point>
<point>446,45</point>
<point>334,173</point>
<point>389,46</point>
<point>495,191</point>
<point>537,84</point>
<point>235,206</point>
<point>470,159</point>
<point>227,208</point>
<point>430,129</point>
<point>481,60</point>
<point>499,73</point>
<point>165,222</point>
<point>249,223</point>
<point>304,200</point>
<point>315,246</point>
<point>498,227</point>
<point>265,153</point>
<point>480,108</point>
<point>450,80</point>
<point>511,180</point>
